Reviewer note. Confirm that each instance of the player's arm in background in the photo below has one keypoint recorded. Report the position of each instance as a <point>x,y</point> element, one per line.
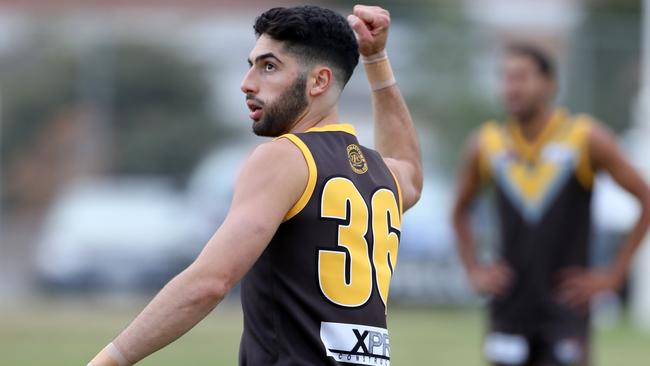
<point>491,279</point>
<point>578,286</point>
<point>395,136</point>
<point>271,181</point>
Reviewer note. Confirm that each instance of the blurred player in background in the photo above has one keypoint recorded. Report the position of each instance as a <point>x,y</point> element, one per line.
<point>542,162</point>
<point>315,219</point>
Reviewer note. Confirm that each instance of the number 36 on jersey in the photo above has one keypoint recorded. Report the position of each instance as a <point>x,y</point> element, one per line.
<point>346,271</point>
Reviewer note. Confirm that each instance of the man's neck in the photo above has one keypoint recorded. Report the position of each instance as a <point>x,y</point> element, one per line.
<point>311,120</point>
<point>534,125</point>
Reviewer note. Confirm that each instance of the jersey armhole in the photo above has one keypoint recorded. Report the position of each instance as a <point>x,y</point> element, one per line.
<point>311,180</point>
<point>484,171</point>
<point>584,170</point>
<point>487,140</point>
<point>399,193</point>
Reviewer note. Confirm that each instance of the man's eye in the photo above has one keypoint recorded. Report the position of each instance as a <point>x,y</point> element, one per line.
<point>269,67</point>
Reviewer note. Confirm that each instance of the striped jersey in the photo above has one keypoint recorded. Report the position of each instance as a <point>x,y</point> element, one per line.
<point>543,197</point>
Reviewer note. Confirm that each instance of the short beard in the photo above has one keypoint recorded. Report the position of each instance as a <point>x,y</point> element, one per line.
<point>526,116</point>
<point>282,113</point>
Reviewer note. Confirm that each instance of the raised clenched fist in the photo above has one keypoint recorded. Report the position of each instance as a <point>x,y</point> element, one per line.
<point>371,24</point>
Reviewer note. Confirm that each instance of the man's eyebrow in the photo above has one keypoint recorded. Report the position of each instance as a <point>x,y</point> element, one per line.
<point>264,56</point>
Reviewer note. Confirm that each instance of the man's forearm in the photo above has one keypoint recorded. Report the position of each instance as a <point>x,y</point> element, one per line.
<point>395,135</point>
<point>465,241</point>
<point>621,263</point>
<point>178,307</point>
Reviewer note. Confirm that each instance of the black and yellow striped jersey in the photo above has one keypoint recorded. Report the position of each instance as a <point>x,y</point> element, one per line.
<point>317,295</point>
<point>543,196</point>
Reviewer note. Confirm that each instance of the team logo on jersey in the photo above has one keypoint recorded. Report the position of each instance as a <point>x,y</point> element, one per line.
<point>357,160</point>
<point>356,344</point>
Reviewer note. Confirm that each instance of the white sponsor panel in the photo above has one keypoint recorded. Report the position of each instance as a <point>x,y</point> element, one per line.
<point>506,348</point>
<point>356,344</point>
<point>569,351</point>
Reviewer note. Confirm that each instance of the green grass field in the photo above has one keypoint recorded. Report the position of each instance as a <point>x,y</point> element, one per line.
<point>57,333</point>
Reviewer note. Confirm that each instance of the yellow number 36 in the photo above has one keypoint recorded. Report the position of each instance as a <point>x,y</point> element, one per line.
<point>352,286</point>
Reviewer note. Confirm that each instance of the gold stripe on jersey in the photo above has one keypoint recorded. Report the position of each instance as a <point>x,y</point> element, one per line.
<point>491,142</point>
<point>342,127</point>
<point>311,163</point>
<point>399,193</point>
<point>584,170</point>
<point>311,181</point>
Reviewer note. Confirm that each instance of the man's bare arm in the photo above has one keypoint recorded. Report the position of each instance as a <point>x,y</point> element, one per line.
<point>271,181</point>
<point>578,286</point>
<point>607,156</point>
<point>395,135</point>
<point>491,279</point>
<point>468,185</point>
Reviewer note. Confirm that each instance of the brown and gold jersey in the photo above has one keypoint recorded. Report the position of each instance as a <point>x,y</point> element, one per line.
<point>317,295</point>
<point>543,196</point>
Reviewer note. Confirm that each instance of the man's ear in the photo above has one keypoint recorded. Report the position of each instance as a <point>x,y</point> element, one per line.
<point>320,81</point>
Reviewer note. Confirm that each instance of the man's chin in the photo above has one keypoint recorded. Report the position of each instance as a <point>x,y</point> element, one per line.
<point>262,129</point>
<point>518,114</point>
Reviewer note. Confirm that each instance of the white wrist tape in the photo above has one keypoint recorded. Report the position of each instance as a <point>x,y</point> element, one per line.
<point>117,355</point>
<point>379,85</point>
<point>374,58</point>
<point>378,70</point>
<point>109,356</point>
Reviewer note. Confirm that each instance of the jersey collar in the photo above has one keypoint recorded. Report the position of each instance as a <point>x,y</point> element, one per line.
<point>335,127</point>
<point>530,149</point>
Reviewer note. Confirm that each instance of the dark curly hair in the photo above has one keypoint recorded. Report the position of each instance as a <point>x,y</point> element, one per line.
<point>541,59</point>
<point>314,35</point>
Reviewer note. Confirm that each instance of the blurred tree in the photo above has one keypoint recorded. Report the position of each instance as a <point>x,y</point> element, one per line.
<point>35,85</point>
<point>443,91</point>
<point>449,93</point>
<point>151,104</point>
<point>160,111</point>
<point>609,6</point>
<point>604,67</point>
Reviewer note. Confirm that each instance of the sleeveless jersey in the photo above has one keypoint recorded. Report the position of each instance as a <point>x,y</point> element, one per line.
<point>543,196</point>
<point>317,295</point>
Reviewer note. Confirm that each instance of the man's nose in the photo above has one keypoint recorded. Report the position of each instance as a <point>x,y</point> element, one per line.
<point>248,85</point>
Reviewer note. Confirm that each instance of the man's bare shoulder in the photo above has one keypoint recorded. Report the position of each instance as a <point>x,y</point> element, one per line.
<point>278,167</point>
<point>277,154</point>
